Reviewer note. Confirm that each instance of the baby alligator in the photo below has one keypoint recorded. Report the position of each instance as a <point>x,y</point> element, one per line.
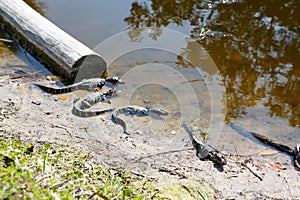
<point>80,105</point>
<point>137,110</point>
<point>85,84</point>
<point>205,151</point>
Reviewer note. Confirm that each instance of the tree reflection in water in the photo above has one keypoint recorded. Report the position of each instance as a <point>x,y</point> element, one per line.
<point>255,45</point>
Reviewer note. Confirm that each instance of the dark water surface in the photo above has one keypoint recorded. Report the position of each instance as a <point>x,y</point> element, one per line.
<point>254,44</point>
<point>90,22</point>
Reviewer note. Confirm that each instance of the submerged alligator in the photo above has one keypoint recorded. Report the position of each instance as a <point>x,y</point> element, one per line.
<point>137,110</point>
<point>80,105</point>
<point>205,151</point>
<point>295,153</point>
<point>85,84</point>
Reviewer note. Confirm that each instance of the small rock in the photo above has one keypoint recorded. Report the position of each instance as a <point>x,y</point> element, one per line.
<point>147,101</point>
<point>36,102</point>
<point>39,133</point>
<point>138,132</point>
<point>88,166</point>
<point>173,132</point>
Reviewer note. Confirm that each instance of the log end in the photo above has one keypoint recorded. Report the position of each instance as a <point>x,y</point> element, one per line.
<point>90,66</point>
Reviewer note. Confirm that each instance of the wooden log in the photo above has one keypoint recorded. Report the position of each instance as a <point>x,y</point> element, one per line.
<point>49,43</point>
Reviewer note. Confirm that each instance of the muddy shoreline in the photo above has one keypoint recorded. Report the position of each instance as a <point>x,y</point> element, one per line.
<point>33,116</point>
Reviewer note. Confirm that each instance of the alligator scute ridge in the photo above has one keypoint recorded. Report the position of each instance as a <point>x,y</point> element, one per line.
<point>80,106</point>
<point>85,84</point>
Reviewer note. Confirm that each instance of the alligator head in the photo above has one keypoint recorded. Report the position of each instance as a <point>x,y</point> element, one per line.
<point>114,80</point>
<point>157,109</point>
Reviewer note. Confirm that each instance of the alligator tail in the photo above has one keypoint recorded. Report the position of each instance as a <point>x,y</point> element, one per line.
<point>86,114</point>
<point>54,90</point>
<point>120,122</point>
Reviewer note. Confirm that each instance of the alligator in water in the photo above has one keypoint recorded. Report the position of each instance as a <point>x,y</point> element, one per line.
<point>137,110</point>
<point>205,151</point>
<point>81,105</point>
<point>295,153</point>
<point>85,84</point>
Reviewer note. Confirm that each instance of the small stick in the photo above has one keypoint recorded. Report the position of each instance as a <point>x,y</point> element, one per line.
<point>60,184</point>
<point>142,175</point>
<point>6,40</point>
<point>164,152</point>
<point>255,174</point>
<point>236,152</point>
<point>62,127</point>
<point>100,195</point>
<point>288,186</point>
<point>172,172</point>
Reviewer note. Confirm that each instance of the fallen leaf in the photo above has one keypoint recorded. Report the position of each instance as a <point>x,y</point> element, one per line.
<point>62,97</point>
<point>22,89</point>
<point>49,78</point>
<point>54,78</point>
<point>34,95</point>
<point>267,152</point>
<point>279,166</point>
<point>58,78</point>
<point>96,89</point>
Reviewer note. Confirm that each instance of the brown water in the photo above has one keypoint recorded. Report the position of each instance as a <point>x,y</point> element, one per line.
<point>15,61</point>
<point>254,44</point>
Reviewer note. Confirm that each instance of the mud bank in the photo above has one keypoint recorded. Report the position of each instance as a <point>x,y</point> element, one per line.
<point>33,116</point>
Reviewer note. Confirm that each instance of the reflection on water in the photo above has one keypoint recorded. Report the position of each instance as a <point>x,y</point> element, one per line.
<point>10,63</point>
<point>254,44</point>
<point>15,61</point>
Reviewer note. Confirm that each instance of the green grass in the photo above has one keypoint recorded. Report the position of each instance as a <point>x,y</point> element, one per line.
<point>53,171</point>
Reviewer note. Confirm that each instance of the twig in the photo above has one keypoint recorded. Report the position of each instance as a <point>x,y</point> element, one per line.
<point>255,174</point>
<point>164,152</point>
<point>60,184</point>
<point>6,40</point>
<point>236,152</point>
<point>188,190</point>
<point>62,127</point>
<point>172,172</point>
<point>290,191</point>
<point>142,175</point>
<point>187,166</point>
<point>100,195</point>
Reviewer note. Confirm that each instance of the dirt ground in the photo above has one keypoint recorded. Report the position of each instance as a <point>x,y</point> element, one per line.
<point>28,113</point>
